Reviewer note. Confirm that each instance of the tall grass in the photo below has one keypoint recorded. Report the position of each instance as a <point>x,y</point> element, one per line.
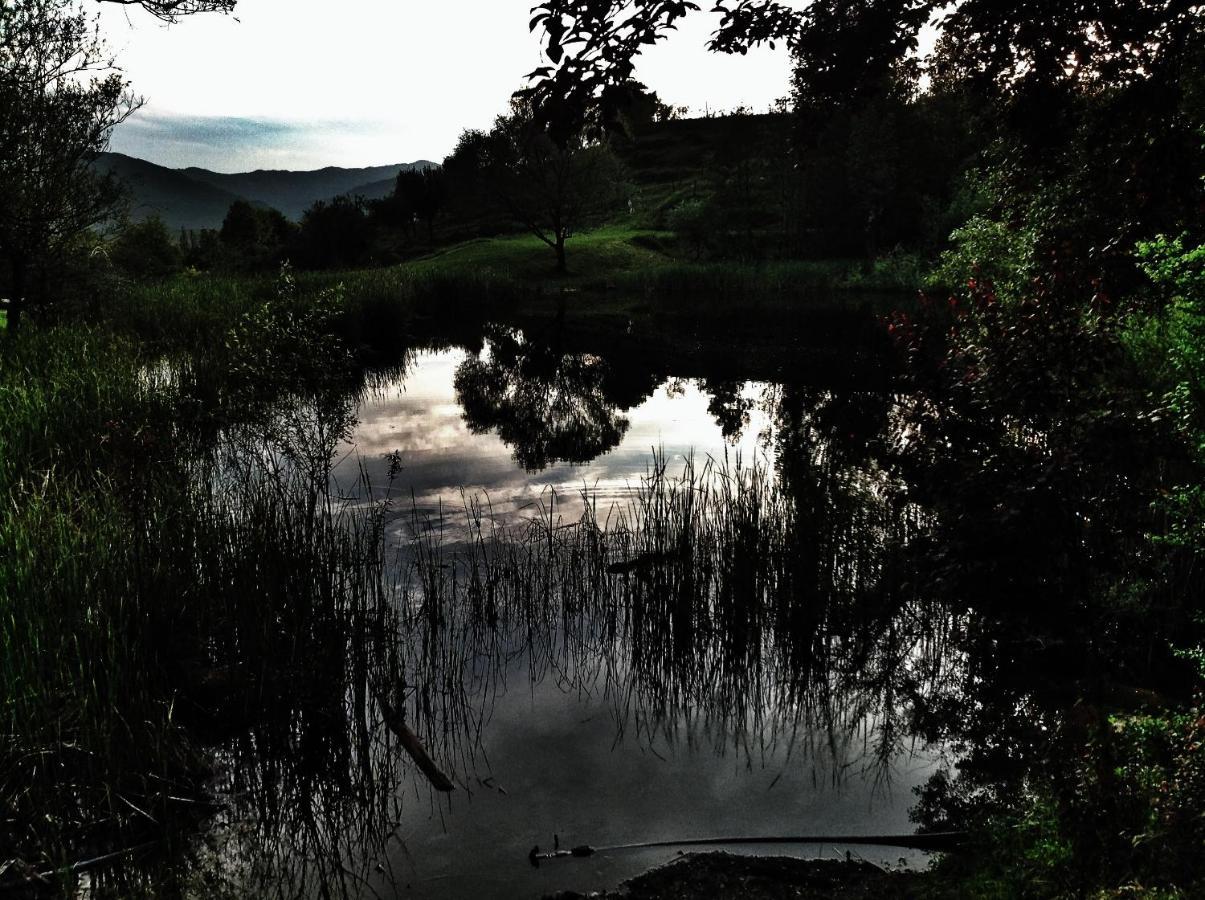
<point>173,564</point>
<point>178,575</point>
<point>714,599</point>
<point>824,283</point>
<point>376,308</point>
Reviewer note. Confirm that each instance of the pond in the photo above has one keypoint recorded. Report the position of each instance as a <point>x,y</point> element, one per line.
<point>575,695</point>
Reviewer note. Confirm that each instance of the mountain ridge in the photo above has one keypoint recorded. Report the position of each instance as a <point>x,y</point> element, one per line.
<point>195,198</point>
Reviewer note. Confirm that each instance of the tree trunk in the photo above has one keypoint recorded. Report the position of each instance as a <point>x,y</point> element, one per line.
<point>560,255</point>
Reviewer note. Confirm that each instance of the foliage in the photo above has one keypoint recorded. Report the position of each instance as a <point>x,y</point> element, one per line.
<point>418,196</point>
<point>286,334</point>
<point>172,10</point>
<point>1124,812</point>
<point>254,238</point>
<point>1125,97</point>
<point>1167,339</point>
<point>693,224</point>
<point>552,189</point>
<point>1010,47</point>
<point>991,252</point>
<point>146,251</point>
<point>59,99</point>
<point>882,173</point>
<point>592,46</point>
<point>1039,410</point>
<point>634,109</point>
<point>1170,341</point>
<point>335,234</point>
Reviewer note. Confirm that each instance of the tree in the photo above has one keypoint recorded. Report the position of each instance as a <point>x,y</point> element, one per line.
<point>334,234</point>
<point>59,100</point>
<point>845,50</point>
<point>592,46</point>
<point>146,250</point>
<point>632,109</point>
<point>171,10</point>
<point>255,238</point>
<point>1095,106</point>
<point>549,406</point>
<point>419,196</point>
<point>552,189</point>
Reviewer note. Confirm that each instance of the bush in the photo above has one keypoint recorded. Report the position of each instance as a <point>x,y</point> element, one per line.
<point>991,251</point>
<point>694,226</point>
<point>146,251</point>
<point>333,235</point>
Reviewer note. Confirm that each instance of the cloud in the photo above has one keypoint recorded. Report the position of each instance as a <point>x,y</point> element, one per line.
<point>236,143</point>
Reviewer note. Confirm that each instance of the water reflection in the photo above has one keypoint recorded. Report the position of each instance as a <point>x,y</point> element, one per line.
<point>685,648</point>
<point>419,424</point>
<point>547,405</point>
<point>617,605</point>
<point>590,635</point>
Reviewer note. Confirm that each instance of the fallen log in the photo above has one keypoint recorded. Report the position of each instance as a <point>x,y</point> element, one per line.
<point>396,723</point>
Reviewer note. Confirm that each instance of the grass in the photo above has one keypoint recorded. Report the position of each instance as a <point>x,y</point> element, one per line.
<point>627,259</point>
<point>614,270</point>
<point>173,560</point>
<point>592,257</point>
<point>713,594</point>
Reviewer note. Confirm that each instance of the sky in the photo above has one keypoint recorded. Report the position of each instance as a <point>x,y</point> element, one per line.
<point>302,84</point>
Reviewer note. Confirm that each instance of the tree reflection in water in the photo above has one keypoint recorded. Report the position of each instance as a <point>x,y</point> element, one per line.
<point>733,608</point>
<point>899,576</point>
<point>728,602</point>
<point>547,405</point>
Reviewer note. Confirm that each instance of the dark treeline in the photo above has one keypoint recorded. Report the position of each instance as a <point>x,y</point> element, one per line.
<point>890,176</point>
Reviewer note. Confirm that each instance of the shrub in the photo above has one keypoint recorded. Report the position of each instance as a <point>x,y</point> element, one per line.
<point>146,251</point>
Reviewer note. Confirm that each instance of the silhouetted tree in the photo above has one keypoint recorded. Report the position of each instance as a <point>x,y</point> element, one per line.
<point>204,250</point>
<point>1099,100</point>
<point>547,405</point>
<point>633,109</point>
<point>550,189</point>
<point>171,10</point>
<point>146,250</point>
<point>334,234</point>
<point>59,101</point>
<point>419,196</point>
<point>255,238</point>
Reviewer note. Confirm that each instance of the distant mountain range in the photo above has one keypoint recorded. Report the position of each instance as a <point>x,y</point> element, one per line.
<point>197,198</point>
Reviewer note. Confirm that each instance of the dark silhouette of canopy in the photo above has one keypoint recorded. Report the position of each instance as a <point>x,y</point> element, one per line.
<point>171,10</point>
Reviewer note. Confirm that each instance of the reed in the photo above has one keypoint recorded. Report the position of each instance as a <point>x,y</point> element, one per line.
<point>184,597</point>
<point>174,561</point>
<point>713,599</point>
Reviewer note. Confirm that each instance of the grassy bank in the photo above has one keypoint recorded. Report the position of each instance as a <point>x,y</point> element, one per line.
<point>173,562</point>
<point>615,275</point>
<point>628,259</point>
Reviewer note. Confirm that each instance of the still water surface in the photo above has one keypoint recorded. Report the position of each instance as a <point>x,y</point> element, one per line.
<point>564,732</point>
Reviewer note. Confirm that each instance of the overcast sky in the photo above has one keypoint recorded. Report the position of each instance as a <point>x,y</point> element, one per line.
<point>302,84</point>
